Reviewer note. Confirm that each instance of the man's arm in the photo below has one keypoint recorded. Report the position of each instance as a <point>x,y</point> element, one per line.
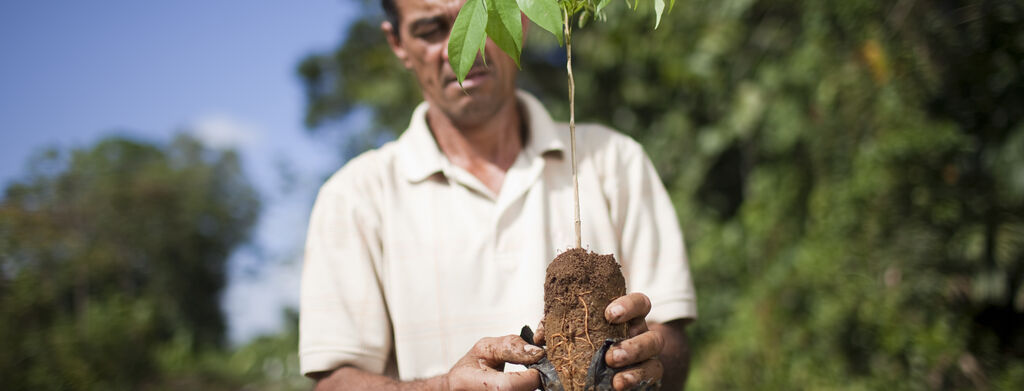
<point>480,369</point>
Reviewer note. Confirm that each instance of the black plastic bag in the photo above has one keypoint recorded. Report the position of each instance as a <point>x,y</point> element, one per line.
<point>599,375</point>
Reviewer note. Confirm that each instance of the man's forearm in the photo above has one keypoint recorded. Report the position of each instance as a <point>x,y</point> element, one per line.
<point>675,355</point>
<point>350,378</point>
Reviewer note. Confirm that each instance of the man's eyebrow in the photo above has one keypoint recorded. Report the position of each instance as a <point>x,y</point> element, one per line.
<point>426,21</point>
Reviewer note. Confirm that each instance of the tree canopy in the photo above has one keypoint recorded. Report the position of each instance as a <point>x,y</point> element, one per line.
<point>108,253</point>
<point>848,175</point>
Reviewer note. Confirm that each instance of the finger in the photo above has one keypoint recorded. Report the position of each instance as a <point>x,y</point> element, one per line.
<point>538,337</point>
<point>510,348</point>
<point>633,305</point>
<point>528,380</point>
<point>491,380</point>
<point>636,327</point>
<point>635,350</point>
<point>650,370</point>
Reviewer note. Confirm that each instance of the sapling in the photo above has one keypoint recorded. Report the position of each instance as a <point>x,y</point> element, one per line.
<point>579,284</point>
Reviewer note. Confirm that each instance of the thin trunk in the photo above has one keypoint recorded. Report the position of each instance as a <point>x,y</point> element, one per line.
<point>572,126</point>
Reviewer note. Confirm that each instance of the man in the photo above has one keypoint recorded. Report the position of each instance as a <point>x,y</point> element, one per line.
<point>421,251</point>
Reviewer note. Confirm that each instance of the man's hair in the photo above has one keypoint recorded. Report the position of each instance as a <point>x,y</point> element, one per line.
<point>391,13</point>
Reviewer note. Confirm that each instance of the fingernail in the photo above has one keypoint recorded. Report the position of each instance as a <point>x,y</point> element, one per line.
<point>619,355</point>
<point>630,378</point>
<point>616,310</point>
<point>532,350</point>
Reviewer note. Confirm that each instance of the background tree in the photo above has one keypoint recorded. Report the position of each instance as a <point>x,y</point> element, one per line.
<point>110,252</point>
<point>848,175</point>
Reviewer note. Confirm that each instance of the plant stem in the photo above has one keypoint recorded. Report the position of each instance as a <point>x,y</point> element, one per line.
<point>572,125</point>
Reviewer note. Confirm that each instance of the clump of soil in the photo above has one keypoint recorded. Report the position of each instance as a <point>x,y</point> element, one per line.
<point>578,287</point>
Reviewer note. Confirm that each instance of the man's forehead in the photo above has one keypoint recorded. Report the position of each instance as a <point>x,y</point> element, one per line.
<point>414,9</point>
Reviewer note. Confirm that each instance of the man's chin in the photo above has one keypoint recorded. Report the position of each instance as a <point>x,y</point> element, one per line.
<point>470,106</point>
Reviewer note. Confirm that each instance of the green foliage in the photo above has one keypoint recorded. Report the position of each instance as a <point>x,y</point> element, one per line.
<point>546,14</point>
<point>503,21</point>
<point>266,363</point>
<point>108,252</point>
<point>502,18</point>
<point>468,37</point>
<point>848,175</point>
<point>334,90</point>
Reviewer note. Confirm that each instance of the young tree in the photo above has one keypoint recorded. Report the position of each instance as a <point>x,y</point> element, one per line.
<point>500,21</point>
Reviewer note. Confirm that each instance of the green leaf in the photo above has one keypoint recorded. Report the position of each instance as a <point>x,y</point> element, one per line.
<point>468,37</point>
<point>584,18</point>
<point>505,27</point>
<point>604,3</point>
<point>659,8</point>
<point>483,46</point>
<point>671,4</point>
<point>545,13</point>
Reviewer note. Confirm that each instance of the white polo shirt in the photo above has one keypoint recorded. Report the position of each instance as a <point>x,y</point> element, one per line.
<point>410,260</point>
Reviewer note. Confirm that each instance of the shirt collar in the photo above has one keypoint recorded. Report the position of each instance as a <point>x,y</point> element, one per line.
<point>545,134</point>
<point>418,153</point>
<point>420,156</point>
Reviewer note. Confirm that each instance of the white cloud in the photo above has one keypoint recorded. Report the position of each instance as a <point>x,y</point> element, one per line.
<point>224,131</point>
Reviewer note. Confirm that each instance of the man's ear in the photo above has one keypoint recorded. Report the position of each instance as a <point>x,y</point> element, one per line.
<point>396,46</point>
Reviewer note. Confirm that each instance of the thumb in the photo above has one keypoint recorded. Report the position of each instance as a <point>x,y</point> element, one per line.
<point>538,336</point>
<point>513,349</point>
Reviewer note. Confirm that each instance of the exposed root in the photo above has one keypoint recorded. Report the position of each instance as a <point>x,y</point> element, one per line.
<point>586,320</point>
<point>559,343</point>
<point>578,382</point>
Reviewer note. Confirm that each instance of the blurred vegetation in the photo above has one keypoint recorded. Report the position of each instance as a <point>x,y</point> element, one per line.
<point>850,175</point>
<point>112,263</point>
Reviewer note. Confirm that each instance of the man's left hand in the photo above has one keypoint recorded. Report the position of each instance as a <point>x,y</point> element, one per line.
<point>642,346</point>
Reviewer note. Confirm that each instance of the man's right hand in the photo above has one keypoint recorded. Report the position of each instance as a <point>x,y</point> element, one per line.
<point>481,368</point>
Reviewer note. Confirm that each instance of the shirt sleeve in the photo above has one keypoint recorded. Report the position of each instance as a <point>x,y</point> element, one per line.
<point>651,242</point>
<point>343,319</point>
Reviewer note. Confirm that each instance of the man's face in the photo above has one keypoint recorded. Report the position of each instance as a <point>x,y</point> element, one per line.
<point>421,42</point>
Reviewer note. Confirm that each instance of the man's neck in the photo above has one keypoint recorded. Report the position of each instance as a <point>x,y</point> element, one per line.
<point>487,149</point>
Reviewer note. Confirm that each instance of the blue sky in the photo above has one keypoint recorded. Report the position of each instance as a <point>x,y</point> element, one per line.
<point>72,72</point>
